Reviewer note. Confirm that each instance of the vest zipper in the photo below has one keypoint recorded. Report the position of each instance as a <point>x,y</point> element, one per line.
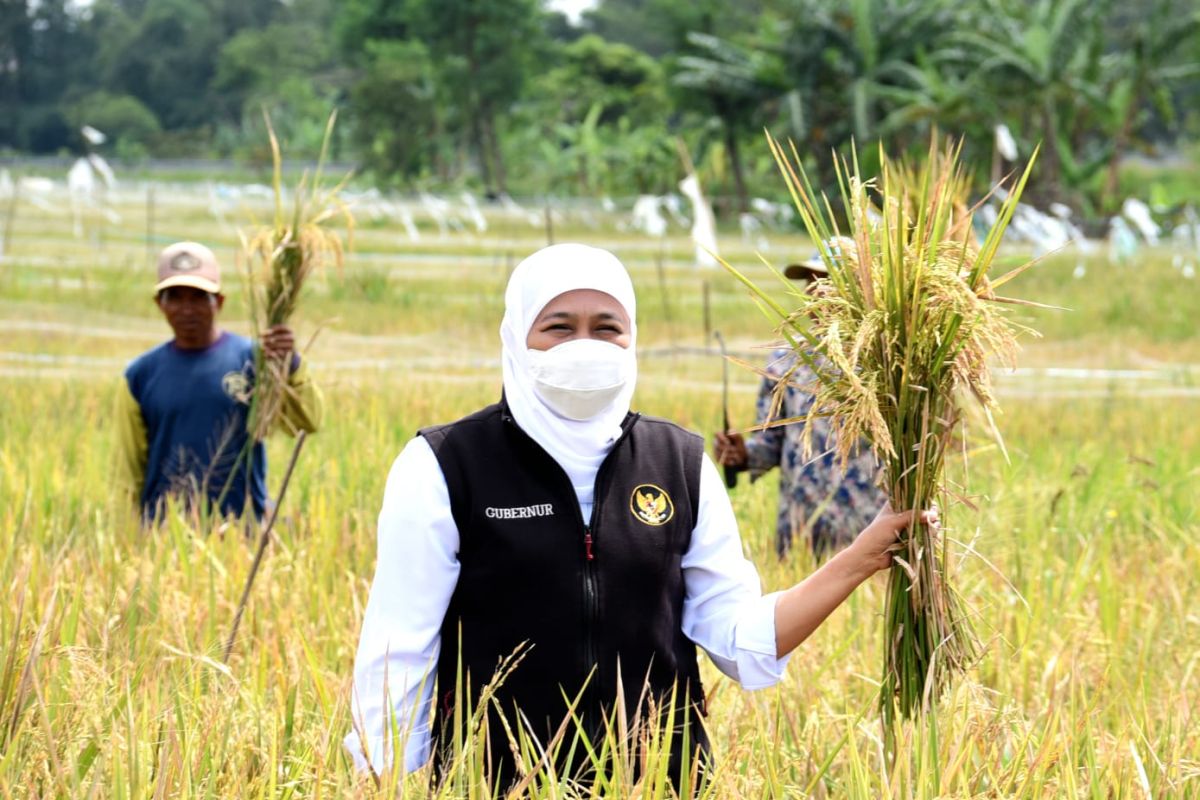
<point>591,588</point>
<point>591,593</point>
<point>591,599</point>
<point>590,580</point>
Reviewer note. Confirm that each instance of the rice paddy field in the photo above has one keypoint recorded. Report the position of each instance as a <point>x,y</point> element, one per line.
<point>1084,587</point>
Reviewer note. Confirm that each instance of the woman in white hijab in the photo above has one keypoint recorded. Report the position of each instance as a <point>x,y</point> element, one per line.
<point>599,543</point>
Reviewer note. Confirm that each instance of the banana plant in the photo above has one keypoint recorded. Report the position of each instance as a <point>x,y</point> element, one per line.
<point>1148,65</point>
<point>1043,57</point>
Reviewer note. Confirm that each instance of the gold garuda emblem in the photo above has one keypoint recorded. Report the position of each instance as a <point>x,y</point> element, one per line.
<point>651,504</point>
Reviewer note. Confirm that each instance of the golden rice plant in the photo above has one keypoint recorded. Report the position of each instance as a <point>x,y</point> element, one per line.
<point>900,336</point>
<point>280,257</point>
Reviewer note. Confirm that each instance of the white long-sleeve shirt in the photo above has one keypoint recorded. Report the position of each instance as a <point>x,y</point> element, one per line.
<point>724,610</point>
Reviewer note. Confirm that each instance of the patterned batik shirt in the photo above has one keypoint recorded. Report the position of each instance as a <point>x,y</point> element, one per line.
<point>819,502</point>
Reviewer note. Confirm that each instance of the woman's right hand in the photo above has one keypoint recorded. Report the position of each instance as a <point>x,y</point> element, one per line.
<point>730,449</point>
<point>801,609</point>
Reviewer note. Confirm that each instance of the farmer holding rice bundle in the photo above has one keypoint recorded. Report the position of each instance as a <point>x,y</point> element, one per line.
<point>598,543</point>
<point>821,501</point>
<point>182,407</point>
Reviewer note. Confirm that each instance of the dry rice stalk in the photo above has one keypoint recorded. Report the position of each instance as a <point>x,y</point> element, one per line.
<point>899,335</point>
<point>280,257</point>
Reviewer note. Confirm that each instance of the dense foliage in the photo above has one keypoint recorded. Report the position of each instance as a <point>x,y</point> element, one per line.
<point>509,95</point>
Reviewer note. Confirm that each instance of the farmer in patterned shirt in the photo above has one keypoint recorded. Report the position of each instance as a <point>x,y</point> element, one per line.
<point>819,502</point>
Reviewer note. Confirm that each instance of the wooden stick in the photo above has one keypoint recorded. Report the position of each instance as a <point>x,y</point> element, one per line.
<point>262,546</point>
<point>685,157</point>
<point>9,218</point>
<point>150,224</point>
<point>662,288</point>
<point>731,473</point>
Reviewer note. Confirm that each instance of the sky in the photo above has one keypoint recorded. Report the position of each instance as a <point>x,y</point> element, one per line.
<point>572,8</point>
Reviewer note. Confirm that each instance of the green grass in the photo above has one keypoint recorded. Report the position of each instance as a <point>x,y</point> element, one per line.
<point>1169,185</point>
<point>109,685</point>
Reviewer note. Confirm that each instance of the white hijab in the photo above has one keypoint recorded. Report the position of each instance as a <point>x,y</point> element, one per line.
<point>578,446</point>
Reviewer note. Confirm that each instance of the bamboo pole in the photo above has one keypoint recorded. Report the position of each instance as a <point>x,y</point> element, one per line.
<point>263,538</point>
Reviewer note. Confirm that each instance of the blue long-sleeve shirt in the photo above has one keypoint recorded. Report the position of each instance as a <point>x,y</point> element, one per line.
<point>182,425</point>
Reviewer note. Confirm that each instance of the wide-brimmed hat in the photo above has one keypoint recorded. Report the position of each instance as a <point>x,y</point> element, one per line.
<point>811,269</point>
<point>188,264</point>
<point>816,266</point>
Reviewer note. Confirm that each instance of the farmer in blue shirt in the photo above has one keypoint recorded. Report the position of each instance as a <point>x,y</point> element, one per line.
<point>182,406</point>
<point>820,503</point>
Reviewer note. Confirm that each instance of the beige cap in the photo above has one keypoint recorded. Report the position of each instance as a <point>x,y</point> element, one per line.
<point>188,264</point>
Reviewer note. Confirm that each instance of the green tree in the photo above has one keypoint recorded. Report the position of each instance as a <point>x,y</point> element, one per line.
<point>15,34</point>
<point>868,50</point>
<point>660,28</point>
<point>1043,58</point>
<point>1149,58</point>
<point>289,67</point>
<point>397,126</point>
<point>164,55</point>
<point>124,119</point>
<point>45,52</point>
<point>732,82</point>
<point>486,51</point>
<point>597,121</point>
<point>480,56</point>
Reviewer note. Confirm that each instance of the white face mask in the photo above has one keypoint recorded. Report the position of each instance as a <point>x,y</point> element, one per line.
<point>578,379</point>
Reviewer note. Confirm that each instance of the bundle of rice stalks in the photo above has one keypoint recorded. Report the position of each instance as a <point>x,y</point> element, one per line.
<point>280,258</point>
<point>899,336</point>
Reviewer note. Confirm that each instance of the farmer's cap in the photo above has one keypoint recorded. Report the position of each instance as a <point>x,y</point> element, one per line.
<point>188,264</point>
<point>815,267</point>
<point>808,270</point>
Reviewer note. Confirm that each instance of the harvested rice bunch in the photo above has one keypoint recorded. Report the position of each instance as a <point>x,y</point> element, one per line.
<point>900,336</point>
<point>281,257</point>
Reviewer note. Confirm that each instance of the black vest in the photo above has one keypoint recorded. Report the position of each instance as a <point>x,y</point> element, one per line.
<point>583,600</point>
